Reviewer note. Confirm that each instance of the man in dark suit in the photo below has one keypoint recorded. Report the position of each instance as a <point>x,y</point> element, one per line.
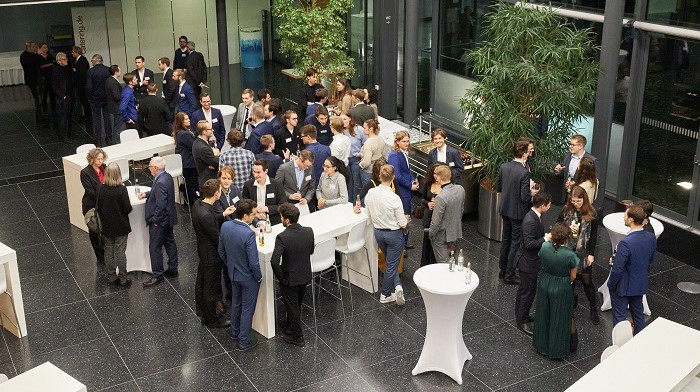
<point>186,101</point>
<point>271,111</point>
<point>205,157</point>
<point>266,192</point>
<point>260,128</point>
<point>323,126</point>
<point>153,113</point>
<point>629,276</point>
<point>113,95</point>
<point>161,217</point>
<point>181,53</point>
<point>213,115</point>
<point>528,260</point>
<point>308,92</point>
<point>446,154</point>
<point>360,112</point>
<point>291,263</point>
<point>143,76</point>
<point>97,96</point>
<point>196,69</point>
<point>207,289</point>
<point>169,88</point>
<point>320,152</point>
<point>30,62</point>
<point>267,142</point>
<point>567,169</point>
<point>514,184</point>
<point>80,69</point>
<point>288,137</point>
<point>62,86</point>
<point>297,178</point>
<point>237,248</point>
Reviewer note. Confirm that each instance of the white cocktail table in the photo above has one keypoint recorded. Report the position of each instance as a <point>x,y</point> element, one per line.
<point>445,295</point>
<point>45,377</point>
<point>8,261</point>
<point>615,225</point>
<point>137,256</point>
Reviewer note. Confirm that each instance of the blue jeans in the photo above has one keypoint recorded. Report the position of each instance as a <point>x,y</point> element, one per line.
<point>100,115</point>
<point>244,296</point>
<point>365,177</point>
<point>355,178</point>
<point>159,236</point>
<point>391,244</point>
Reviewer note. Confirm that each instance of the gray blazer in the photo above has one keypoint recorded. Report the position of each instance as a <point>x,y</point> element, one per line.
<point>240,117</point>
<point>287,177</point>
<point>447,213</point>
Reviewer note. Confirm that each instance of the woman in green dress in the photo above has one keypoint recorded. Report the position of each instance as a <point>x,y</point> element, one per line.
<point>555,300</point>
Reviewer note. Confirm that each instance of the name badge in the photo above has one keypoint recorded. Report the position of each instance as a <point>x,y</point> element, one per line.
<point>235,199</point>
<point>307,178</point>
<point>270,195</point>
<point>184,55</point>
<point>451,164</point>
<point>147,78</point>
<point>288,140</point>
<point>332,186</point>
<point>214,120</point>
<point>182,95</point>
<point>324,131</point>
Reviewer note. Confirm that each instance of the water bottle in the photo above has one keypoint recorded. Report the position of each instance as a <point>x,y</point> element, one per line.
<point>358,203</point>
<point>460,261</point>
<point>268,225</point>
<point>137,188</point>
<point>452,261</point>
<point>468,274</point>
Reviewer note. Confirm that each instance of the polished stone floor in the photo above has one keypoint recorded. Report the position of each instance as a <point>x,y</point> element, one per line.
<point>150,339</point>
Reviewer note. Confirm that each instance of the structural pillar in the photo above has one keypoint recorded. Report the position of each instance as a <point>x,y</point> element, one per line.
<point>222,40</point>
<point>386,47</point>
<point>410,62</point>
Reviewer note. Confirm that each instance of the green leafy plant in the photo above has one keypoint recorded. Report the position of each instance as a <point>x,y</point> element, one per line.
<point>313,34</point>
<point>532,68</point>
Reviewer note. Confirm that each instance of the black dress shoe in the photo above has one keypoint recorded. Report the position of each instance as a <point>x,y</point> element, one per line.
<point>501,276</point>
<point>525,329</point>
<point>153,282</point>
<point>297,341</point>
<point>511,281</point>
<point>222,323</point>
<point>124,282</point>
<point>252,342</point>
<point>530,319</point>
<point>410,246</point>
<point>171,273</point>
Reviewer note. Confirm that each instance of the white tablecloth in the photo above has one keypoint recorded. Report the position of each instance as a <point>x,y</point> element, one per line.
<point>137,256</point>
<point>615,225</point>
<point>227,111</point>
<point>445,295</point>
<point>11,71</point>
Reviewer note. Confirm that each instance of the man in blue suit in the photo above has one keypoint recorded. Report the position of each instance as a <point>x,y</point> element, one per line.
<point>213,115</point>
<point>161,217</point>
<point>629,277</point>
<point>127,105</point>
<point>186,101</point>
<point>238,249</point>
<point>260,128</point>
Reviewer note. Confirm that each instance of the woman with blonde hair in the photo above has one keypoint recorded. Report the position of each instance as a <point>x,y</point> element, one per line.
<point>398,158</point>
<point>372,150</point>
<point>91,177</point>
<point>114,207</point>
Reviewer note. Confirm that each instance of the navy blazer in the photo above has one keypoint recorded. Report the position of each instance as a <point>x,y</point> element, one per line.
<point>223,203</point>
<point>253,143</point>
<point>454,161</point>
<point>142,90</point>
<point>273,162</point>
<point>183,146</point>
<point>323,132</point>
<point>217,124</point>
<point>276,125</point>
<point>403,178</point>
<point>160,202</point>
<point>187,102</point>
<point>514,184</point>
<point>238,249</point>
<point>629,275</point>
<point>527,257</point>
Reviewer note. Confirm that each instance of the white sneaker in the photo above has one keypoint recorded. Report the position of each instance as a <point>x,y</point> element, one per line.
<point>400,300</point>
<point>386,300</point>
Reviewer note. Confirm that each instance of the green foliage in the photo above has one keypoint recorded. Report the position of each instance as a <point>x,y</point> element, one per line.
<point>530,66</point>
<point>313,33</point>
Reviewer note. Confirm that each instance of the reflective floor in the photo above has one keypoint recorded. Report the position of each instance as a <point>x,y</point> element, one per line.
<point>150,339</point>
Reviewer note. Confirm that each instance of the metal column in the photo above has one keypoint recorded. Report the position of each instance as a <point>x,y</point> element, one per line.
<point>386,55</point>
<point>410,62</point>
<point>222,40</point>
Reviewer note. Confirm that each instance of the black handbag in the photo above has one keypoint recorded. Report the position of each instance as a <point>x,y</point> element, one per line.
<point>92,218</point>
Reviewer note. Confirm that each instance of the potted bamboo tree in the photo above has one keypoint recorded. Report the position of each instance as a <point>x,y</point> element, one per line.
<point>536,77</point>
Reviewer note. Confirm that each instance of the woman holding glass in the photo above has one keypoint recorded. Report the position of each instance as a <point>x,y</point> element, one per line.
<point>114,207</point>
<point>332,186</point>
<point>184,137</point>
<point>586,178</point>
<point>580,216</point>
<point>357,139</point>
<point>372,150</point>
<point>92,177</point>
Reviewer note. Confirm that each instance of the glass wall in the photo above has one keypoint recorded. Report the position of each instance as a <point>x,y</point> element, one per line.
<point>460,30</point>
<point>674,12</point>
<point>597,6</point>
<point>360,37</point>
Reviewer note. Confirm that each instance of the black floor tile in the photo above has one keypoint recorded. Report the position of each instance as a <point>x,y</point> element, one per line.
<point>350,382</point>
<point>666,284</point>
<point>15,210</point>
<point>95,363</point>
<point>59,227</point>
<point>10,192</point>
<point>49,204</point>
<point>157,347</point>
<point>124,387</point>
<point>218,373</point>
<point>27,155</point>
<point>556,380</point>
<point>38,259</point>
<point>46,186</point>
<point>20,234</point>
<point>50,289</point>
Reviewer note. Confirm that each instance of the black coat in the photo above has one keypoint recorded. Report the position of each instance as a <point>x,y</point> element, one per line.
<point>90,181</point>
<point>80,70</point>
<point>287,140</point>
<point>142,90</point>
<point>152,115</point>
<point>114,208</point>
<point>514,184</point>
<point>113,95</point>
<point>62,82</point>
<point>196,69</point>
<point>274,197</point>
<point>95,84</point>
<point>183,146</point>
<point>30,65</point>
<point>527,257</point>
<point>291,259</point>
<point>206,224</point>
<point>169,89</point>
<point>180,58</point>
<point>223,203</point>
<point>204,159</point>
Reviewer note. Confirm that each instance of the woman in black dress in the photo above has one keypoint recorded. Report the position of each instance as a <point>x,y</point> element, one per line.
<point>92,177</point>
<point>183,145</point>
<point>114,208</point>
<point>430,190</point>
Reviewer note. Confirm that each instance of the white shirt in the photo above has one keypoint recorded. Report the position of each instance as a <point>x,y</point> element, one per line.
<point>340,147</point>
<point>179,90</point>
<point>141,74</point>
<point>261,190</point>
<point>384,208</point>
<point>573,164</point>
<point>442,154</point>
<point>207,115</point>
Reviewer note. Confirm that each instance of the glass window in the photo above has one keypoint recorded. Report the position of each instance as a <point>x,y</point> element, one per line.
<point>668,134</point>
<point>460,26</point>
<point>678,13</point>
<point>597,6</point>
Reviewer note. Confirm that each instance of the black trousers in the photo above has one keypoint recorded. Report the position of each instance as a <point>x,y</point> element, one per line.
<point>525,296</point>
<point>207,291</point>
<point>191,184</point>
<point>82,97</point>
<point>227,290</point>
<point>293,298</point>
<point>512,236</point>
<point>64,108</point>
<point>34,89</point>
<point>97,246</point>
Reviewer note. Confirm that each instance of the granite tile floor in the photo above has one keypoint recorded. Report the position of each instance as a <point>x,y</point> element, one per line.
<point>135,339</point>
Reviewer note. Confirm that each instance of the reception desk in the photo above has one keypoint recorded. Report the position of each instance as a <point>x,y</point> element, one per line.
<point>330,222</point>
<point>72,165</point>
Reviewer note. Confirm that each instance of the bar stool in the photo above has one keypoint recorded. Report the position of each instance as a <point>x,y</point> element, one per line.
<point>355,242</point>
<point>323,262</point>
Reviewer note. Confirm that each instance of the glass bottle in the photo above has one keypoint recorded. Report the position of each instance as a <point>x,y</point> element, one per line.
<point>268,225</point>
<point>261,237</point>
<point>460,261</point>
<point>137,188</point>
<point>358,203</point>
<point>452,261</point>
<point>468,274</point>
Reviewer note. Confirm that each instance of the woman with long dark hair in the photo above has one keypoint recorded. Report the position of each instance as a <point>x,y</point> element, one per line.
<point>344,96</point>
<point>184,137</point>
<point>580,216</point>
<point>332,186</point>
<point>586,178</point>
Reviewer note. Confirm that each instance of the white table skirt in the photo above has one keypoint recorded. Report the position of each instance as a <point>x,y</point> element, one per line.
<point>445,295</point>
<point>11,71</point>
<point>615,225</point>
<point>227,111</point>
<point>137,256</point>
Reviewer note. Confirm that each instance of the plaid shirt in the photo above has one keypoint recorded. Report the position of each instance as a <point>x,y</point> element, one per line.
<point>242,162</point>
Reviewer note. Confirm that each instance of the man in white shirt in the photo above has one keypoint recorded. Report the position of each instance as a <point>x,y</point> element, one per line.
<point>568,168</point>
<point>385,210</point>
<point>341,144</point>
